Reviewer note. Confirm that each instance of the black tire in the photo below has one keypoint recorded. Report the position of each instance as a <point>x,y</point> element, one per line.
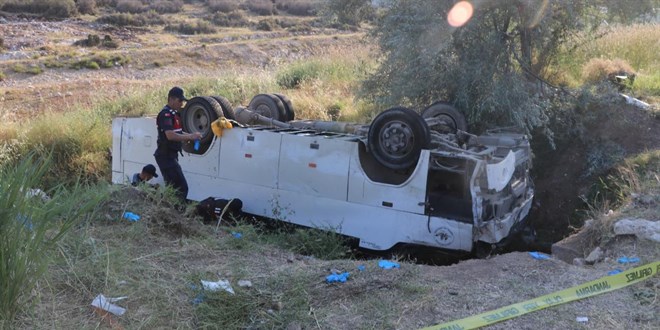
<point>268,105</point>
<point>199,113</point>
<point>288,107</point>
<point>227,109</point>
<point>453,118</point>
<point>397,136</point>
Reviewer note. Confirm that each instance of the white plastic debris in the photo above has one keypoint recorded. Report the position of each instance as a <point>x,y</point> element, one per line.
<point>215,286</point>
<point>245,283</point>
<point>106,304</point>
<point>582,319</point>
<point>635,102</point>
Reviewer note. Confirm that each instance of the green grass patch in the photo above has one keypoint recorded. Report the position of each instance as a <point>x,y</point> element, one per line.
<point>635,44</point>
<point>31,226</point>
<point>102,61</point>
<point>33,69</point>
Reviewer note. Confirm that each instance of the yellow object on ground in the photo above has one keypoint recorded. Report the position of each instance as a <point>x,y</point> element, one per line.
<point>219,124</point>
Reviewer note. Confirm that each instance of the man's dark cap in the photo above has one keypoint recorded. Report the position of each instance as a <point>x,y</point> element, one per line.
<point>177,92</point>
<point>151,170</point>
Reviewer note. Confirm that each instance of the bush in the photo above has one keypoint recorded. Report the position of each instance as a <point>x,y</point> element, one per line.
<point>100,61</point>
<point>297,73</point>
<point>2,76</point>
<point>91,41</point>
<point>108,42</point>
<point>167,6</point>
<point>261,7</point>
<point>31,226</point>
<point>31,69</point>
<point>223,6</point>
<point>2,43</point>
<point>297,7</point>
<point>45,8</point>
<point>86,7</point>
<point>130,6</point>
<point>598,70</point>
<point>150,18</point>
<point>234,19</point>
<point>200,27</point>
<point>266,24</point>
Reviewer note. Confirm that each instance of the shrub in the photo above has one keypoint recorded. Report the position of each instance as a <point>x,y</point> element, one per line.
<point>167,6</point>
<point>224,6</point>
<point>31,226</point>
<point>2,43</point>
<point>149,18</point>
<point>261,7</point>
<point>200,27</point>
<point>106,3</point>
<point>91,41</point>
<point>108,42</point>
<point>597,70</point>
<point>234,19</point>
<point>297,7</point>
<point>45,8</point>
<point>31,69</point>
<point>86,7</point>
<point>130,6</point>
<point>297,73</point>
<point>2,76</point>
<point>100,61</point>
<point>266,24</point>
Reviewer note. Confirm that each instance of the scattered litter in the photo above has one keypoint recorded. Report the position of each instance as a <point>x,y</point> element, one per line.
<point>132,217</point>
<point>385,264</point>
<point>608,213</point>
<point>106,304</point>
<point>635,102</point>
<point>539,256</point>
<point>245,283</point>
<point>198,299</point>
<point>215,286</point>
<point>626,260</point>
<point>236,235</point>
<point>361,268</point>
<point>582,319</point>
<point>343,277</point>
<point>26,221</point>
<point>614,272</point>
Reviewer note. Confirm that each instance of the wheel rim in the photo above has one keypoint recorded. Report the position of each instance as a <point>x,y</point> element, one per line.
<point>264,110</point>
<point>397,139</point>
<point>199,119</point>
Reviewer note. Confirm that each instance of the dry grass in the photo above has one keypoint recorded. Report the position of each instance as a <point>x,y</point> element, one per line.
<point>597,70</point>
<point>635,45</point>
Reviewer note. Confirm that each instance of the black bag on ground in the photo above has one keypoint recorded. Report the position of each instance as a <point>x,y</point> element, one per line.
<point>211,208</point>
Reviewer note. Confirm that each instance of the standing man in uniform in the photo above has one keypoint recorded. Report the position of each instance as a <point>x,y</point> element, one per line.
<point>170,136</point>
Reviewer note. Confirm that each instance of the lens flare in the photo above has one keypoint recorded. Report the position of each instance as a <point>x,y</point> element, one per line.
<point>460,14</point>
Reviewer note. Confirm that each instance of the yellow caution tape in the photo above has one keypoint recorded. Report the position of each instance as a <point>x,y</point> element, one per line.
<point>589,289</point>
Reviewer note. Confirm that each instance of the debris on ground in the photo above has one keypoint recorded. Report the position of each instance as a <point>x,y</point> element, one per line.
<point>343,277</point>
<point>106,304</point>
<point>215,286</point>
<point>385,264</point>
<point>539,256</point>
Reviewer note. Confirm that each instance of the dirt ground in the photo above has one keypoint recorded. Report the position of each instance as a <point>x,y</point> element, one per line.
<point>166,247</point>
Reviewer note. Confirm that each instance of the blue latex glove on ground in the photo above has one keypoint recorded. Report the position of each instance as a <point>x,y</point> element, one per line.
<point>343,277</point>
<point>385,264</point>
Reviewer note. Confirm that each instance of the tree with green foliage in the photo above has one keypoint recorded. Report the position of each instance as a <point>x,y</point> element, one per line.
<point>493,68</point>
<point>351,12</point>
